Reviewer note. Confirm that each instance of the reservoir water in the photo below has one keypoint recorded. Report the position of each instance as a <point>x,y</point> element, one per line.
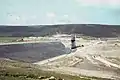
<point>32,52</point>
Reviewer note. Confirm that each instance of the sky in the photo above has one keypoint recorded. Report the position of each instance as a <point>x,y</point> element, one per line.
<point>31,12</point>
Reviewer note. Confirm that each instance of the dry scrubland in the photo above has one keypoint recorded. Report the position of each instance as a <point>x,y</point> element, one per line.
<point>14,70</point>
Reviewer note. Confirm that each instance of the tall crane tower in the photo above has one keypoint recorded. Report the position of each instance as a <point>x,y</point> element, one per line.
<point>73,44</point>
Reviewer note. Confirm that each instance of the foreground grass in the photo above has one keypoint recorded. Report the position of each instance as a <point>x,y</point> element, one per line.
<point>12,70</point>
<point>8,39</point>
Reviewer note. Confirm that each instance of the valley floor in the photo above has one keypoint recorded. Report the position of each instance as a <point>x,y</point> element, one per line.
<point>98,60</point>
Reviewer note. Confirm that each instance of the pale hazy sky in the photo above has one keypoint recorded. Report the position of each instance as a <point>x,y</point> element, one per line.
<point>26,12</point>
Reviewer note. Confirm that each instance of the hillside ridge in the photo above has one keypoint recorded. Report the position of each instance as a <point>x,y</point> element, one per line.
<point>94,30</point>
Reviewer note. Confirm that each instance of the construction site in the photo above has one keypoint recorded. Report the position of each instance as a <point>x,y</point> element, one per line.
<point>98,58</point>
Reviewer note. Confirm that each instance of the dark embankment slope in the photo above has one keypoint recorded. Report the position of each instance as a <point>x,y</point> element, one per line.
<point>32,52</point>
<point>94,30</point>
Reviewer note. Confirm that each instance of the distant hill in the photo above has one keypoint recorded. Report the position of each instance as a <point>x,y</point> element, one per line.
<point>94,30</point>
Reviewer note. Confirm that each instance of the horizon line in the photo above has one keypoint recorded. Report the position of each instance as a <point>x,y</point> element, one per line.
<point>57,24</point>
